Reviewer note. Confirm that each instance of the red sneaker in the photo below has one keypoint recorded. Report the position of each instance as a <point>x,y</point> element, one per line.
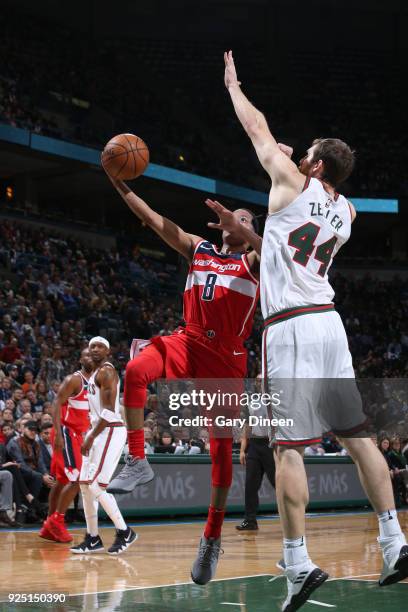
<point>58,530</point>
<point>45,533</point>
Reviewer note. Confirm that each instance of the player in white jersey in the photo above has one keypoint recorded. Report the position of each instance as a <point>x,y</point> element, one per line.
<point>305,338</point>
<point>102,449</point>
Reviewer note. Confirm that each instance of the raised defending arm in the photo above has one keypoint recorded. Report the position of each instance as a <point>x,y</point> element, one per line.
<point>278,164</point>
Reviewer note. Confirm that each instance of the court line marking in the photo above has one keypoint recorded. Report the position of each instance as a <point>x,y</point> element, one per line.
<point>198,521</point>
<point>131,587</point>
<point>320,603</point>
<point>355,577</point>
<point>232,603</point>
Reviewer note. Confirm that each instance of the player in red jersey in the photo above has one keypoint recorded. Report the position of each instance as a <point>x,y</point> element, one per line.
<point>70,413</point>
<point>219,303</point>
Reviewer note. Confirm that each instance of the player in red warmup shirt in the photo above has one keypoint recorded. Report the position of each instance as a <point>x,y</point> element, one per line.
<point>220,298</point>
<point>70,414</point>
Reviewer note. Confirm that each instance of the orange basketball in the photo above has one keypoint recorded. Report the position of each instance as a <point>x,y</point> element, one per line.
<point>125,157</point>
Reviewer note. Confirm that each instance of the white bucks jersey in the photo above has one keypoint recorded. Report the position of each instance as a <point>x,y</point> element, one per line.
<point>299,244</point>
<point>94,398</point>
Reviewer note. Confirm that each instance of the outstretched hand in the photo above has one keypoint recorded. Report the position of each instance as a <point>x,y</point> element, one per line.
<point>227,220</point>
<point>230,76</point>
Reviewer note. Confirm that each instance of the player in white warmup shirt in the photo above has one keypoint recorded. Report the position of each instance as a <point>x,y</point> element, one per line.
<point>304,337</point>
<point>102,449</point>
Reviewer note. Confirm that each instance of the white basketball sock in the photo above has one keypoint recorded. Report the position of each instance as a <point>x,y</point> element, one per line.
<point>90,510</point>
<point>389,525</point>
<point>295,555</point>
<point>109,504</point>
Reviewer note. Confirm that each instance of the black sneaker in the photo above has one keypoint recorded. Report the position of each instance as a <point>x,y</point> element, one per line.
<point>21,516</point>
<point>91,544</point>
<point>124,538</point>
<point>248,525</point>
<point>7,521</point>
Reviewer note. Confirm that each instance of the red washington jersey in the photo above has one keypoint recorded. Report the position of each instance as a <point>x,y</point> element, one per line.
<point>75,413</point>
<point>221,293</point>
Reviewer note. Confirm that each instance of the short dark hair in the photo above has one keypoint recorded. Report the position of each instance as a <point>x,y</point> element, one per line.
<point>31,425</point>
<point>255,221</point>
<point>46,425</point>
<point>338,159</point>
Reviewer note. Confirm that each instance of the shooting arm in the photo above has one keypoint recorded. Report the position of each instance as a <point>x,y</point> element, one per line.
<point>172,234</point>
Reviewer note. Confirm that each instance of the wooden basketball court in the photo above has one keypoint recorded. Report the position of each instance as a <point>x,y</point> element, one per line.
<point>154,574</point>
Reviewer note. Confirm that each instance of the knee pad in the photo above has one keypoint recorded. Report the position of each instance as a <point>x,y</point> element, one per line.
<point>221,457</point>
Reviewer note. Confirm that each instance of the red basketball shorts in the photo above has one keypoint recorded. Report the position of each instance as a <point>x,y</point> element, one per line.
<point>186,354</point>
<point>66,464</point>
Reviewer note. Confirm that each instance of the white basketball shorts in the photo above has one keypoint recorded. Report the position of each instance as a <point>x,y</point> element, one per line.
<point>104,456</point>
<point>306,360</point>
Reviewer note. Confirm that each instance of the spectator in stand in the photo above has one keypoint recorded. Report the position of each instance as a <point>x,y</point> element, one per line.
<point>11,353</point>
<point>384,446</point>
<point>12,372</point>
<point>8,413</point>
<point>25,450</point>
<point>5,389</point>
<point>45,444</point>
<point>54,368</point>
<point>6,499</point>
<point>47,407</point>
<point>41,391</point>
<point>17,396</point>
<point>28,384</point>
<point>399,470</point>
<point>52,393</point>
<point>8,432</point>
<point>166,444</point>
<point>45,418</point>
<point>148,436</point>
<point>23,407</point>
<point>21,495</point>
<point>36,405</point>
<point>314,450</point>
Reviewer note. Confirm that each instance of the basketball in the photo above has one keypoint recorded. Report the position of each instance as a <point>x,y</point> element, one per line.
<point>125,157</point>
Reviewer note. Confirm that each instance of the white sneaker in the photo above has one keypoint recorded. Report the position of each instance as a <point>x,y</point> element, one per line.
<point>395,554</point>
<point>302,586</point>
